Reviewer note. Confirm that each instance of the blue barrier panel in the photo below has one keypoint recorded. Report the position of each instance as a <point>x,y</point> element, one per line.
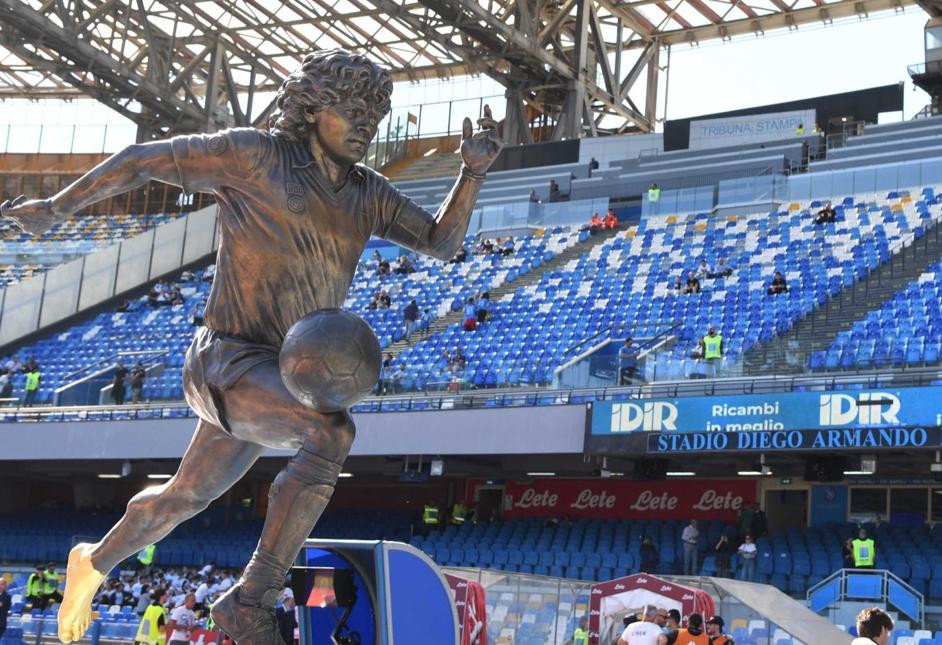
<point>862,585</point>
<point>904,599</point>
<point>826,596</point>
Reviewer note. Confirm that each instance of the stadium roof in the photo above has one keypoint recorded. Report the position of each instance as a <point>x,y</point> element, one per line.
<point>169,65</point>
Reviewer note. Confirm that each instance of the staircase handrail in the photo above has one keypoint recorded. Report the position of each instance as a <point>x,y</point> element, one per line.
<point>885,577</point>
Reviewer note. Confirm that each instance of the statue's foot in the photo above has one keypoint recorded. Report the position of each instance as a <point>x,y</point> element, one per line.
<point>245,624</point>
<point>81,583</point>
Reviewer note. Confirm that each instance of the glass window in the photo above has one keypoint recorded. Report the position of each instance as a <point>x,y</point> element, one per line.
<point>910,504</point>
<point>868,500</point>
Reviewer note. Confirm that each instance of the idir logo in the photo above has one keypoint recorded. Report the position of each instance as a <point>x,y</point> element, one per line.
<point>650,416</point>
<point>866,408</point>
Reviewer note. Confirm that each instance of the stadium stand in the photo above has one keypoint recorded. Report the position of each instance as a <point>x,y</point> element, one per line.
<point>76,236</point>
<point>905,331</point>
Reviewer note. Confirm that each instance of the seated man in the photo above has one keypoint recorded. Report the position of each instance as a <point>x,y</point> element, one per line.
<point>722,270</point>
<point>610,223</point>
<point>596,223</point>
<point>693,284</point>
<point>778,284</point>
<point>826,215</point>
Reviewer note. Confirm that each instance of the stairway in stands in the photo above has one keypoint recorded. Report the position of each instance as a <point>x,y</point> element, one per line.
<point>789,353</point>
<point>454,317</point>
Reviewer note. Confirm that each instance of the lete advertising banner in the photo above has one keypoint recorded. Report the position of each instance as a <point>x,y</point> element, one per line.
<point>620,499</point>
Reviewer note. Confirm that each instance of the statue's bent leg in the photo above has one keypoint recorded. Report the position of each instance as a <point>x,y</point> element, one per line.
<point>259,408</point>
<point>213,462</point>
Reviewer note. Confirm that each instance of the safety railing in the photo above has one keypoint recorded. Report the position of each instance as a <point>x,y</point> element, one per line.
<point>515,397</point>
<point>878,585</point>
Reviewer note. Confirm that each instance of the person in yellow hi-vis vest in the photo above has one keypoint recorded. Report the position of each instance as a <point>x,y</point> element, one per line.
<point>34,588</point>
<point>863,551</point>
<point>32,385</point>
<point>151,630</point>
<point>711,347</point>
<point>146,557</point>
<point>51,585</point>
<point>654,197</point>
<point>459,513</point>
<point>430,517</point>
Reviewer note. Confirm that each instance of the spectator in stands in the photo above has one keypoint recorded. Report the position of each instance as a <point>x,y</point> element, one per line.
<point>285,617</point>
<point>123,306</point>
<point>534,198</point>
<point>691,538</point>
<point>722,270</point>
<point>460,256</point>
<point>385,302</point>
<point>425,322</point>
<point>693,634</point>
<point>382,269</point>
<point>693,284</point>
<point>458,361</point>
<point>723,550</point>
<point>209,273</point>
<point>486,246</point>
<point>711,349</point>
<point>398,376</point>
<point>182,622</point>
<point>410,315</point>
<point>403,265</point>
<point>33,378</point>
<point>778,284</point>
<point>704,270</point>
<point>117,383</point>
<point>5,603</point>
<point>714,629</point>
<point>747,558</point>
<point>13,365</point>
<point>800,130</point>
<point>627,362</point>
<point>470,316</point>
<point>595,224</point>
<point>385,375</point>
<point>650,557</point>
<point>197,314</point>
<point>826,215</point>
<point>643,632</point>
<point>759,524</point>
<point>202,595</point>
<point>863,551</point>
<point>176,297</point>
<point>138,375</point>
<point>610,223</point>
<point>34,588</point>
<point>873,627</point>
<point>593,165</point>
<point>553,191</point>
<point>483,307</point>
<point>678,287</point>
<point>507,248</point>
<point>654,197</point>
<point>6,385</point>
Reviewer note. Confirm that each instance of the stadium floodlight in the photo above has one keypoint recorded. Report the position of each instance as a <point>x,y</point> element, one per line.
<point>159,476</point>
<point>858,472</point>
<point>437,467</point>
<point>935,467</point>
<point>540,474</point>
<point>765,471</point>
<point>345,475</point>
<point>109,476</point>
<point>680,473</point>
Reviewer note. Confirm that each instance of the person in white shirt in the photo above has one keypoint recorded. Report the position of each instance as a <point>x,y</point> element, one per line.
<point>225,583</point>
<point>182,622</point>
<point>201,593</point>
<point>747,556</point>
<point>205,571</point>
<point>645,632</point>
<point>690,537</point>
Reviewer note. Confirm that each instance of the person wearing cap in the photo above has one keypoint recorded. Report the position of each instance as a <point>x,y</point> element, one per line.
<point>694,633</point>
<point>643,632</point>
<point>714,629</point>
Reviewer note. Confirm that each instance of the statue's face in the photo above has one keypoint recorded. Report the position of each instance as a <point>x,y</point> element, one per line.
<point>345,130</point>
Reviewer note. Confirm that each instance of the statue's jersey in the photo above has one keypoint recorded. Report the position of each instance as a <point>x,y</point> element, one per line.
<point>289,243</point>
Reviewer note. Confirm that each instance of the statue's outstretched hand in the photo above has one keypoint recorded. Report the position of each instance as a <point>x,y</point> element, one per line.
<point>478,151</point>
<point>33,216</point>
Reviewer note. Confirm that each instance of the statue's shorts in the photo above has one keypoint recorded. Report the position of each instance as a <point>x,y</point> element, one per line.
<point>214,363</point>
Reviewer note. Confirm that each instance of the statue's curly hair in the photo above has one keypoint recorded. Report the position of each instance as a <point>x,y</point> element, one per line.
<point>325,79</point>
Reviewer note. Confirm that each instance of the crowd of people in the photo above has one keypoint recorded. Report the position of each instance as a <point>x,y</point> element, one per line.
<point>13,366</point>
